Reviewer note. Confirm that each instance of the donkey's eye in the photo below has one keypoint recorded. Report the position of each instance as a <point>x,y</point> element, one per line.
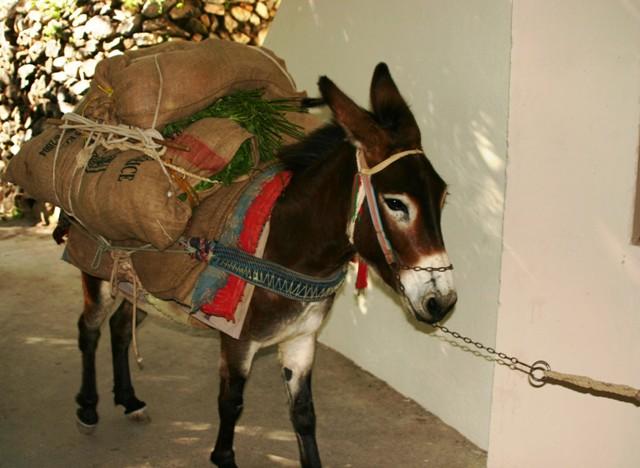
<point>396,205</point>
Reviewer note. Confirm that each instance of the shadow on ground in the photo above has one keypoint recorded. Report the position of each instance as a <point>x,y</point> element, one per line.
<point>362,422</point>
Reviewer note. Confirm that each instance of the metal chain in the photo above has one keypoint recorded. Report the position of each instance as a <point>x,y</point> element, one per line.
<point>427,269</point>
<point>535,371</point>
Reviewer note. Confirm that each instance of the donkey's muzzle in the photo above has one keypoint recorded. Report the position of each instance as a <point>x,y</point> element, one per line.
<point>439,306</point>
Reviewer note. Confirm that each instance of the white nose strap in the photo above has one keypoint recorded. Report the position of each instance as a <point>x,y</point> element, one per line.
<point>364,169</point>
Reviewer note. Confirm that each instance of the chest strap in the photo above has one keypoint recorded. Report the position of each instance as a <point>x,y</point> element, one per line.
<point>263,273</point>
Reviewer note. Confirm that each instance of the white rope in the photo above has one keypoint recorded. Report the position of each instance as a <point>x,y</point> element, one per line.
<point>69,211</point>
<point>55,163</point>
<point>184,172</point>
<point>82,159</point>
<point>115,136</point>
<point>280,67</point>
<point>123,270</point>
<point>159,99</point>
<point>119,137</point>
<point>384,164</point>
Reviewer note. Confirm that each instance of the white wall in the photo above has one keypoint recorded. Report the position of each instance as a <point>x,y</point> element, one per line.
<point>570,278</point>
<point>451,61</point>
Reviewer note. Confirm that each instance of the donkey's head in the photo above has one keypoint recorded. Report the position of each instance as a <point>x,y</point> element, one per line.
<point>399,233</point>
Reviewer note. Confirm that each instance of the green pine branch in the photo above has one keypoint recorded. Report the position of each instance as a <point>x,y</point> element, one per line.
<point>265,119</point>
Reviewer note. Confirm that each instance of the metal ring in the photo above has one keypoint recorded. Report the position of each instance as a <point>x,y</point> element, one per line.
<point>537,373</point>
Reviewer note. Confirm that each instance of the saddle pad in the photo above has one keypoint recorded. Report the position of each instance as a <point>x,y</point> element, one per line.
<point>216,292</point>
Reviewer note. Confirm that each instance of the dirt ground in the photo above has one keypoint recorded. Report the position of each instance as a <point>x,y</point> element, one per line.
<point>362,422</point>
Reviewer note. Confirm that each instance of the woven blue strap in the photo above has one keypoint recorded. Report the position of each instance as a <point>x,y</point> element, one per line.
<point>266,274</point>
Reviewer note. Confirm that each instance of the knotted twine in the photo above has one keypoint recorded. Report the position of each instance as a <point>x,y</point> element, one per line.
<point>121,137</point>
<point>123,270</point>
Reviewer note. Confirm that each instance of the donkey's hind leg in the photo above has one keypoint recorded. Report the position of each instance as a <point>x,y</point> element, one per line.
<point>121,333</point>
<point>235,364</point>
<point>89,323</point>
<point>296,356</point>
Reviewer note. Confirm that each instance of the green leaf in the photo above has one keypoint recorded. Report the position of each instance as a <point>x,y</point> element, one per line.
<point>265,119</point>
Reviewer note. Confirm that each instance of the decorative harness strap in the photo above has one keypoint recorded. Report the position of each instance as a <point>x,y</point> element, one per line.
<point>363,189</point>
<point>263,273</point>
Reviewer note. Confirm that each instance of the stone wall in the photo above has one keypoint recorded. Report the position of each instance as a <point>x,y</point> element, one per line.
<point>49,50</point>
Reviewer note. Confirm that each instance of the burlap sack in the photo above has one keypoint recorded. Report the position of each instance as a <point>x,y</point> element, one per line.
<point>166,275</point>
<point>32,167</point>
<point>163,84</point>
<point>123,195</point>
<point>126,195</point>
<point>212,143</point>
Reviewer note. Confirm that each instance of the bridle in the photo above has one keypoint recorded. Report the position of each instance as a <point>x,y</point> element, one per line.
<point>363,190</point>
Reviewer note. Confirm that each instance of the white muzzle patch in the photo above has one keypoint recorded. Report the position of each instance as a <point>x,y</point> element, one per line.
<point>420,286</point>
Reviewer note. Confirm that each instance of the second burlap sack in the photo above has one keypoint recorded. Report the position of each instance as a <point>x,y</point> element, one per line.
<point>152,87</point>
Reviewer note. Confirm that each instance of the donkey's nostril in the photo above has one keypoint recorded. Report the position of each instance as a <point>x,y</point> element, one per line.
<point>439,306</point>
<point>433,307</point>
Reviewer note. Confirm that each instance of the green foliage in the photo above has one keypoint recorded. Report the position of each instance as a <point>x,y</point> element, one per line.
<point>132,5</point>
<point>265,119</point>
<point>16,213</point>
<point>239,165</point>
<point>54,9</point>
<point>136,5</point>
<point>53,29</point>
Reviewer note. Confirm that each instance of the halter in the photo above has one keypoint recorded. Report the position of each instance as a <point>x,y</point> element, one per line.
<point>363,190</point>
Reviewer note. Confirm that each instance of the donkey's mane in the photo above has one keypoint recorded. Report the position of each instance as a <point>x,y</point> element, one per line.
<point>313,148</point>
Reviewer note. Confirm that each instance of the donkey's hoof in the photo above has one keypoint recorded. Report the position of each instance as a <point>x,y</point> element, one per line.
<point>223,459</point>
<point>139,416</point>
<point>86,420</point>
<point>84,428</point>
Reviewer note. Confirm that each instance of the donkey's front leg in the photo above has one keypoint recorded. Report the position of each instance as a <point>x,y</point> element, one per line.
<point>121,334</point>
<point>235,364</point>
<point>296,356</point>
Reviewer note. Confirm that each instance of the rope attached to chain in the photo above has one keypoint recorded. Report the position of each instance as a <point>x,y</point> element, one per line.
<point>590,385</point>
<point>540,373</point>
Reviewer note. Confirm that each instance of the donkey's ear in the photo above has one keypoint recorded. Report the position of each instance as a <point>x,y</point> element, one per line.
<point>386,102</point>
<point>359,124</point>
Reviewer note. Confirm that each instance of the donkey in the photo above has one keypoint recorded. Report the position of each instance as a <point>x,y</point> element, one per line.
<point>312,233</point>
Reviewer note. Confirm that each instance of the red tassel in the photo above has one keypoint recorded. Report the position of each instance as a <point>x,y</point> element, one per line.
<point>361,278</point>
